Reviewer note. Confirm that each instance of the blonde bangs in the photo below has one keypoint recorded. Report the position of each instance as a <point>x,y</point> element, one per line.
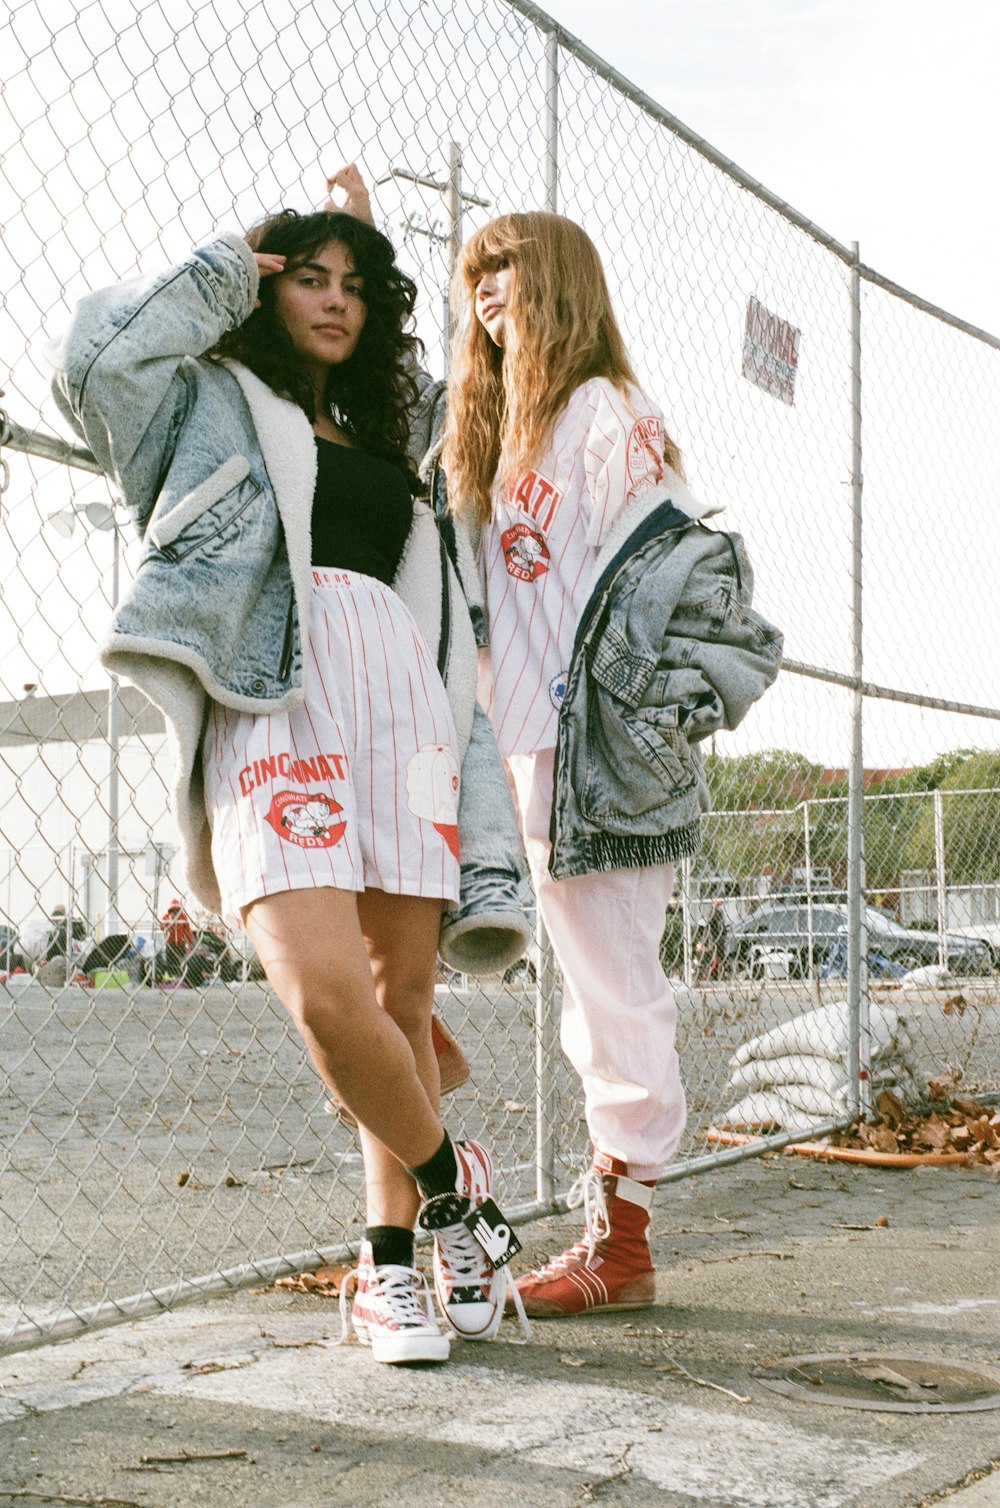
<point>497,242</point>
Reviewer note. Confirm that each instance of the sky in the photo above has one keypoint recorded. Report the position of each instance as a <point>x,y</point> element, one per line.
<point>139,125</point>
<point>135,129</point>
<point>877,119</point>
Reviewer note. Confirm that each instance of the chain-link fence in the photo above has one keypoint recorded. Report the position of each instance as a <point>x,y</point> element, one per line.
<point>163,1141</point>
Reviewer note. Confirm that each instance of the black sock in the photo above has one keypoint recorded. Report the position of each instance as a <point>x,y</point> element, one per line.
<point>439,1174</point>
<point>392,1245</point>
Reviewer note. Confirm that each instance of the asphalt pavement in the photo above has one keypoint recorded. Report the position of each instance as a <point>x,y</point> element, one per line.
<point>251,1401</point>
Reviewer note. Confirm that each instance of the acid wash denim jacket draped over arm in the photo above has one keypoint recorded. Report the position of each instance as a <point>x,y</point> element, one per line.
<point>218,474</point>
<point>668,651</point>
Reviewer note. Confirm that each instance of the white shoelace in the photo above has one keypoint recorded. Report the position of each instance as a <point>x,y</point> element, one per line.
<point>406,1291</point>
<point>515,1294</point>
<point>588,1190</point>
<point>466,1259</point>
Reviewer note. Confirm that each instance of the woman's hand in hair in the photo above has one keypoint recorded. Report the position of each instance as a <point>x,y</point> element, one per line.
<point>268,263</point>
<point>354,198</point>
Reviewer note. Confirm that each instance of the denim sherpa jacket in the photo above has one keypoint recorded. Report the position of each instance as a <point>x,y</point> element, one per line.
<point>218,474</point>
<point>668,650</point>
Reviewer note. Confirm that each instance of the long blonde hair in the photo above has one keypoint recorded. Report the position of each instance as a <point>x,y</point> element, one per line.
<point>560,330</point>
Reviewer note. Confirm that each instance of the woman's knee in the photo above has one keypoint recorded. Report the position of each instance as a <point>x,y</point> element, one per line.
<point>409,1001</point>
<point>326,1012</point>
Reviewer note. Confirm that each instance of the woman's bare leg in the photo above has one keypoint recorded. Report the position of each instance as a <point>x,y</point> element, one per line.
<point>401,935</point>
<point>312,949</point>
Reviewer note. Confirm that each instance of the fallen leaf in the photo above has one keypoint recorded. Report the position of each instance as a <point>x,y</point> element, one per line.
<point>879,1137</point>
<point>935,1133</point>
<point>886,1375</point>
<point>941,1089</point>
<point>223,1364</point>
<point>890,1108</point>
<point>325,1282</point>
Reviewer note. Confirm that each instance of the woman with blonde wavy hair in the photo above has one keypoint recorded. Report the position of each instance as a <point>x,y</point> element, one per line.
<point>556,453</point>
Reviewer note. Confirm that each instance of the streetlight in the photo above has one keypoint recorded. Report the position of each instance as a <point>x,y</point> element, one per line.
<point>102,517</point>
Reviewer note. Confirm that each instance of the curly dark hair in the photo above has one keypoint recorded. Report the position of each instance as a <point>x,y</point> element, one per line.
<point>371,394</point>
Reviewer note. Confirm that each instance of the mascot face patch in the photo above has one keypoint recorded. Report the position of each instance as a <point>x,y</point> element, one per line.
<point>525,553</point>
<point>310,821</point>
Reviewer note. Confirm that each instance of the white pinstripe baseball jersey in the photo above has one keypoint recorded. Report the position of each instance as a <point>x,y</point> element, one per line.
<point>356,789</point>
<point>538,550</point>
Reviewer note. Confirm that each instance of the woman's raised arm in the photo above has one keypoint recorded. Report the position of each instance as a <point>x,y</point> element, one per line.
<point>117,369</point>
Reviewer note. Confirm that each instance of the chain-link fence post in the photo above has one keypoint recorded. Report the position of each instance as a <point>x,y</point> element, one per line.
<point>807,852</point>
<point>941,879</point>
<point>552,122</point>
<point>546,1004</point>
<point>857,935</point>
<point>546,1043</point>
<point>114,756</point>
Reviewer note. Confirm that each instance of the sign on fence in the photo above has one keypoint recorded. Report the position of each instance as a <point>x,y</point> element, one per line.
<point>770,352</point>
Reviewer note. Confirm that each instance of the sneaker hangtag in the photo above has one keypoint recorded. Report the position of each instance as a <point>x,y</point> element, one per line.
<point>493,1232</point>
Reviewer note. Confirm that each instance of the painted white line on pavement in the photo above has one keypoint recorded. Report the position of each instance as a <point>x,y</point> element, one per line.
<point>715,1456</point>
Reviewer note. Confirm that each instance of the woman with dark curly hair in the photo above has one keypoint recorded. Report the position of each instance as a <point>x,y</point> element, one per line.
<point>370,390</point>
<point>250,405</point>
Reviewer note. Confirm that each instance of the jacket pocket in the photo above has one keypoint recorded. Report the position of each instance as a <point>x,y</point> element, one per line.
<point>656,733</point>
<point>224,486</point>
<point>635,763</point>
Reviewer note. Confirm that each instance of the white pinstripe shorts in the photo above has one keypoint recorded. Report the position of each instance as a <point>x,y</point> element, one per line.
<point>356,789</point>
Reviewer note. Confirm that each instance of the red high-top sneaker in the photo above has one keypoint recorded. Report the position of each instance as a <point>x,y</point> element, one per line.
<point>610,1267</point>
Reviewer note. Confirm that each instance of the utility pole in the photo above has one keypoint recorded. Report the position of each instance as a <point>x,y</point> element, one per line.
<point>456,198</point>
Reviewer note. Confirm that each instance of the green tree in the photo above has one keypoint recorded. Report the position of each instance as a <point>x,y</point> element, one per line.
<point>759,823</point>
<point>971,821</point>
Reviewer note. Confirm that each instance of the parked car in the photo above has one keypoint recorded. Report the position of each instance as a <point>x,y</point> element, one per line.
<point>988,933</point>
<point>780,927</point>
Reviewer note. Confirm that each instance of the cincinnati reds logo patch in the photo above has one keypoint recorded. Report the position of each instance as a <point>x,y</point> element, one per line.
<point>525,553</point>
<point>306,820</point>
<point>644,453</point>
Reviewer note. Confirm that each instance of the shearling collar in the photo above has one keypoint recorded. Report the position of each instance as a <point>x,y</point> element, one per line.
<point>671,490</point>
<point>288,446</point>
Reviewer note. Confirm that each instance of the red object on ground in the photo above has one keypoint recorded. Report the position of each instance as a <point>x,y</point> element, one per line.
<point>610,1267</point>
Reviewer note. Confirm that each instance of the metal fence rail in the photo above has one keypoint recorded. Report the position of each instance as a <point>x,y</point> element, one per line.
<point>162,1142</point>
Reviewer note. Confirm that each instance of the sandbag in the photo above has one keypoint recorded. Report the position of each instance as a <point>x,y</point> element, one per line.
<point>822,1033</point>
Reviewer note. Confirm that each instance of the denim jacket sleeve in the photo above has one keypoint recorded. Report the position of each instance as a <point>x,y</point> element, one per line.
<point>122,369</point>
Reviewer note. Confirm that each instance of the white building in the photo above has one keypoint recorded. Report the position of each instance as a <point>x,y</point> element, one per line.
<point>83,811</point>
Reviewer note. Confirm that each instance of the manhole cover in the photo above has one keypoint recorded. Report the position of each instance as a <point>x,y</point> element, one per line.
<point>889,1383</point>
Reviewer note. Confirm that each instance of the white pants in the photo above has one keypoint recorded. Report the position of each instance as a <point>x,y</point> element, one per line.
<point>619,1016</point>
